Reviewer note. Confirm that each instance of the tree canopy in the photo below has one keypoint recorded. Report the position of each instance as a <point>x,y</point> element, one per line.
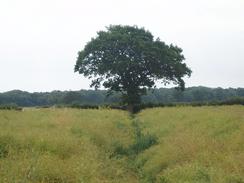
<point>128,59</point>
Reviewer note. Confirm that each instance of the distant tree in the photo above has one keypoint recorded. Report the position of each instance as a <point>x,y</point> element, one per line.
<point>72,97</point>
<point>240,92</point>
<point>98,97</point>
<point>129,60</point>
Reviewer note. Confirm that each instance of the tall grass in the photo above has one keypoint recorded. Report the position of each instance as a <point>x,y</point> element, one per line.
<point>204,144</point>
<point>163,145</point>
<point>62,145</point>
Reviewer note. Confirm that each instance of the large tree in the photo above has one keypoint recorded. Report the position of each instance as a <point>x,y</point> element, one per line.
<point>129,60</point>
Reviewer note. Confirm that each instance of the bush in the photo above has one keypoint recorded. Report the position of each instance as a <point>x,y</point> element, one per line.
<point>84,106</point>
<point>10,107</point>
<point>138,107</point>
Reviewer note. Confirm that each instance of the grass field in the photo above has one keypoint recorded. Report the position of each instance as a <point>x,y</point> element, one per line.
<point>164,145</point>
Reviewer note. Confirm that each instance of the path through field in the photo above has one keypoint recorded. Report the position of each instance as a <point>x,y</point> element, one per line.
<point>163,145</point>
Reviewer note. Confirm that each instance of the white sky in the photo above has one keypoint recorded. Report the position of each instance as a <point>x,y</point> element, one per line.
<point>39,39</point>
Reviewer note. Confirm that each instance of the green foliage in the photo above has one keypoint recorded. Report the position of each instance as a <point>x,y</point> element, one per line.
<point>10,107</point>
<point>141,142</point>
<point>129,60</point>
<point>155,97</point>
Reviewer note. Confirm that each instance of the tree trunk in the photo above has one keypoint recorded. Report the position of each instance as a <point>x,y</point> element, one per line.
<point>130,108</point>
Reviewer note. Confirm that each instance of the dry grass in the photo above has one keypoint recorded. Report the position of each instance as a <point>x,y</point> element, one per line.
<point>62,145</point>
<point>195,144</point>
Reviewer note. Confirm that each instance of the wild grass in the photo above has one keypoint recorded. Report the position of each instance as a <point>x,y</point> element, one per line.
<point>162,145</point>
<point>62,145</point>
<point>204,144</point>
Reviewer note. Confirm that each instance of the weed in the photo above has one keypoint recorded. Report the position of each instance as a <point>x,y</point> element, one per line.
<point>235,179</point>
<point>141,142</point>
<point>3,150</point>
<point>5,143</point>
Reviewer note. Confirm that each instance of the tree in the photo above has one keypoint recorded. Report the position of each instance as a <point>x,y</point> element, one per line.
<point>129,60</point>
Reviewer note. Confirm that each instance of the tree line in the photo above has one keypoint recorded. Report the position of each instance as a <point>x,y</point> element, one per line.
<point>99,97</point>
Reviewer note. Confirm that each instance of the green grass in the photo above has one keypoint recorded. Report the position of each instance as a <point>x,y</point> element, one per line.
<point>163,145</point>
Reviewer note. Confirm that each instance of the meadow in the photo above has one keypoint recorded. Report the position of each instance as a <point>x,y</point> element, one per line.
<point>158,145</point>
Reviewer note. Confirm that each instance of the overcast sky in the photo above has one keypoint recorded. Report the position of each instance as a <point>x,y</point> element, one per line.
<point>39,39</point>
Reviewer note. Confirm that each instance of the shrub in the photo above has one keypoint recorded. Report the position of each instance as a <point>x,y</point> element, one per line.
<point>10,107</point>
<point>84,106</point>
